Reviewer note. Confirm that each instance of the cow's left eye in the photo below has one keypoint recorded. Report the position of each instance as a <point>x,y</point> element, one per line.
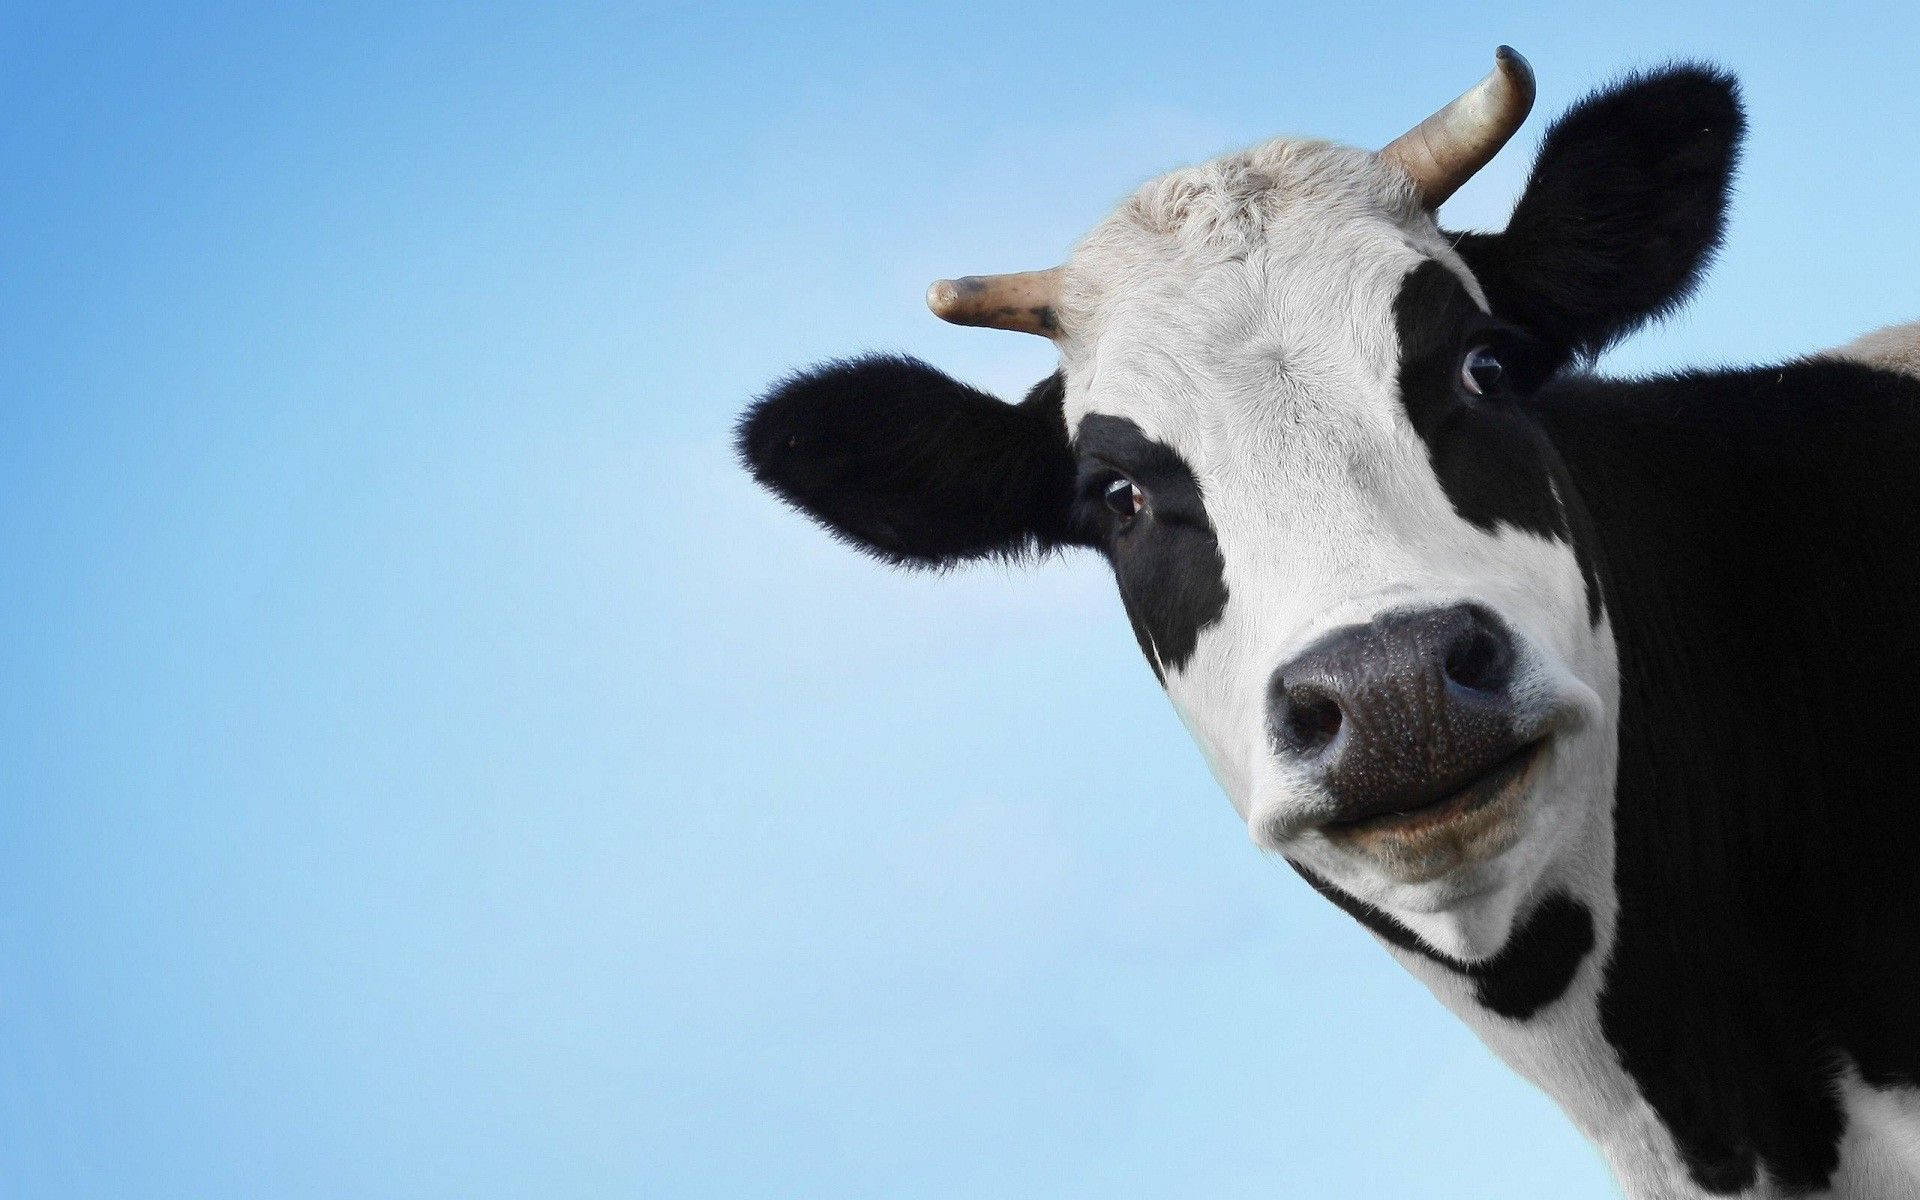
<point>1481,372</point>
<point>1123,498</point>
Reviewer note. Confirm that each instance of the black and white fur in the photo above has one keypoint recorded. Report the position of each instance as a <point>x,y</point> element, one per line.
<point>1701,932</point>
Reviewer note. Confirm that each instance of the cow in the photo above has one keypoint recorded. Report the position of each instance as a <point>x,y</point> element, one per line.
<point>1589,697</point>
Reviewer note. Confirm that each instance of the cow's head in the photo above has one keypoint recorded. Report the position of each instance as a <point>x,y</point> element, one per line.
<point>1293,413</point>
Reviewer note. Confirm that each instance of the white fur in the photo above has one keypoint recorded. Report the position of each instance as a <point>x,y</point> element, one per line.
<point>1880,1155</point>
<point>1241,312</point>
<point>1895,348</point>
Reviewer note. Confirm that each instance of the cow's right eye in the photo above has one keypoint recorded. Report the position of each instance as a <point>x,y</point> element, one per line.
<point>1123,498</point>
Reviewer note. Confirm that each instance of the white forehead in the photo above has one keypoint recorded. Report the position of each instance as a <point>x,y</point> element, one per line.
<point>1216,289</point>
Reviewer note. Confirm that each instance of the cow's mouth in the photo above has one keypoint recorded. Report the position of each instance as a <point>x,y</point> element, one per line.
<point>1488,796</point>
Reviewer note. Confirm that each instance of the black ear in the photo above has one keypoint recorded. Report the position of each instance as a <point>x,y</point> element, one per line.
<point>1624,209</point>
<point>911,465</point>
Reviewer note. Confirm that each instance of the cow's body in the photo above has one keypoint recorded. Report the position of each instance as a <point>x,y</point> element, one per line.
<point>1748,1019</point>
<point>1588,697</point>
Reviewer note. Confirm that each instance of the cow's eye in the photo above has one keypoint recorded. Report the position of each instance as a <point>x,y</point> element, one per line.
<point>1481,372</point>
<point>1123,499</point>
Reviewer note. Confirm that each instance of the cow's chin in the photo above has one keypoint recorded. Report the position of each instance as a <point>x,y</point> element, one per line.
<point>1456,873</point>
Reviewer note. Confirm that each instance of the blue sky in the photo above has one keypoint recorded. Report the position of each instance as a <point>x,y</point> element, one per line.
<point>428,769</point>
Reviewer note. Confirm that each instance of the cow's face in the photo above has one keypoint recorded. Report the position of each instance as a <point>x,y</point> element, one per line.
<point>1294,416</point>
<point>1301,440</point>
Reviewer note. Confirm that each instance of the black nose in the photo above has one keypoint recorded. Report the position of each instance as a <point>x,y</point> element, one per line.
<point>1399,713</point>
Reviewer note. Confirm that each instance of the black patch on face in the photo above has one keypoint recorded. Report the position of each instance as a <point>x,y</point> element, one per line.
<point>1491,459</point>
<point>1166,560</point>
<point>1758,536</point>
<point>1531,971</point>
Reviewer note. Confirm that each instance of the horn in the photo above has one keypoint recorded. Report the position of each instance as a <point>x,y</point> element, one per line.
<point>1443,151</point>
<point>1023,303</point>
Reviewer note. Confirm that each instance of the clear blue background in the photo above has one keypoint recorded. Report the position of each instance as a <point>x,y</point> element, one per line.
<point>428,769</point>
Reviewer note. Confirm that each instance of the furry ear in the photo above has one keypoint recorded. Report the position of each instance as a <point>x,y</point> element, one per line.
<point>1624,209</point>
<point>911,465</point>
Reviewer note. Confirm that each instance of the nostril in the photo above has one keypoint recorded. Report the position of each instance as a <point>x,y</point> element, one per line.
<point>1479,659</point>
<point>1309,720</point>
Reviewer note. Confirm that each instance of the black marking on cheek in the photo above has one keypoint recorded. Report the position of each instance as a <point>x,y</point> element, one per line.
<point>1534,968</point>
<point>1492,460</point>
<point>1166,561</point>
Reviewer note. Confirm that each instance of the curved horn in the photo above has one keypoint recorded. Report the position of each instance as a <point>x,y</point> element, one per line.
<point>1023,303</point>
<point>1443,151</point>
